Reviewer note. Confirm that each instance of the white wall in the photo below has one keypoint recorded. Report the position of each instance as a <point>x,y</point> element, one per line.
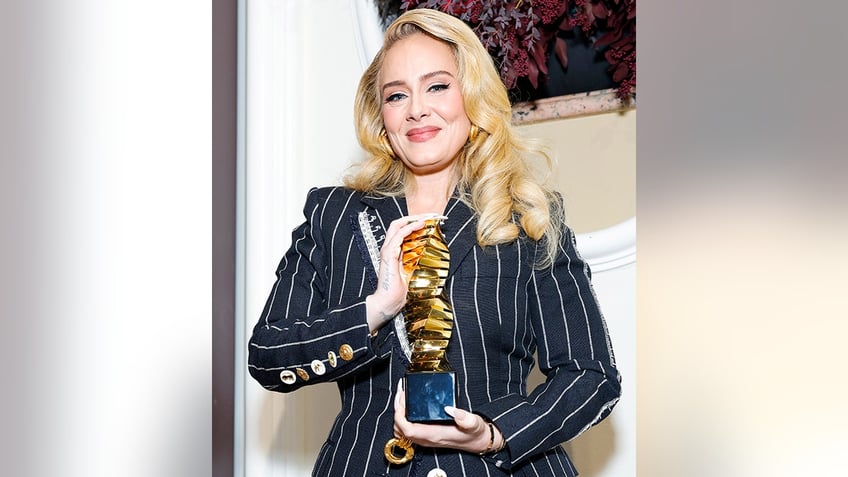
<point>300,82</point>
<point>299,134</point>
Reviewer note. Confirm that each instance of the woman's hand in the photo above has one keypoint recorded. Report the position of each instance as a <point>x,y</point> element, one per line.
<point>469,433</point>
<point>392,282</point>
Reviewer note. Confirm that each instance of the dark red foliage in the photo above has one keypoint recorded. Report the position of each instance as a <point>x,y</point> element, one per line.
<point>521,34</point>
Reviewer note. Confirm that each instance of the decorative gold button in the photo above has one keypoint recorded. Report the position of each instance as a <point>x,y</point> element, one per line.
<point>437,472</point>
<point>346,352</point>
<point>318,367</point>
<point>331,357</point>
<point>303,375</point>
<point>287,377</point>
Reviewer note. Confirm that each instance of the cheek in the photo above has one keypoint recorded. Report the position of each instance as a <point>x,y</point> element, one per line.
<point>457,108</point>
<point>391,118</point>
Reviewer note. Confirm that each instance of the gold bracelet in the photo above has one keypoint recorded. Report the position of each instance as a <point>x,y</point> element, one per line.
<point>491,439</point>
<point>503,444</point>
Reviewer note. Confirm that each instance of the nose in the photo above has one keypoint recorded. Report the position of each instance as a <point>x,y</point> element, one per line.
<point>418,108</point>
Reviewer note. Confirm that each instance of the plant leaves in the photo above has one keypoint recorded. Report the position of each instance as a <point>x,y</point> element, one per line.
<point>625,44</point>
<point>519,34</point>
<point>509,76</point>
<point>540,57</point>
<point>607,38</point>
<point>533,75</point>
<point>599,10</point>
<point>561,51</point>
<point>621,72</point>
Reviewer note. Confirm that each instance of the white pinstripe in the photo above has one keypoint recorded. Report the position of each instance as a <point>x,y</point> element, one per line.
<point>464,377</point>
<point>313,340</point>
<point>480,324</point>
<point>587,401</point>
<point>333,245</point>
<point>324,307</point>
<point>359,421</point>
<point>582,303</point>
<point>379,418</point>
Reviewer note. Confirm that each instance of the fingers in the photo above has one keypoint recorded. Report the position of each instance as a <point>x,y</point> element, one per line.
<point>465,421</point>
<point>423,217</point>
<point>465,434</point>
<point>400,228</point>
<point>400,411</point>
<point>392,280</point>
<point>403,226</point>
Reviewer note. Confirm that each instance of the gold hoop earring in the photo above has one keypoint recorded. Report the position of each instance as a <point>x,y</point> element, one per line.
<point>386,145</point>
<point>473,133</point>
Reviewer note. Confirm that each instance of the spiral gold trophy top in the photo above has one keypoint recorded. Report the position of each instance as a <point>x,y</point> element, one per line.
<point>427,313</point>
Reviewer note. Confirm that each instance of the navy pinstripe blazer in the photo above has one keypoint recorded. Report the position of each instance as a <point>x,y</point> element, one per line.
<point>504,311</point>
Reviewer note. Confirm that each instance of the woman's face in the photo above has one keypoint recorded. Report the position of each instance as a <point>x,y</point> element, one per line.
<point>423,110</point>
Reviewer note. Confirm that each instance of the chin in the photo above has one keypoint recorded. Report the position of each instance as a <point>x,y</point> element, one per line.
<point>427,166</point>
<point>430,161</point>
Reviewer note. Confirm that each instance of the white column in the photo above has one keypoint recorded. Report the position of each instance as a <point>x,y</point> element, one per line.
<point>301,69</point>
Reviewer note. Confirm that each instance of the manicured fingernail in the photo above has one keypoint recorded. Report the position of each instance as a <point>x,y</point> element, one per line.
<point>449,410</point>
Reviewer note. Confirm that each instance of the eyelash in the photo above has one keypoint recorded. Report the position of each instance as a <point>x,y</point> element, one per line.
<point>437,88</point>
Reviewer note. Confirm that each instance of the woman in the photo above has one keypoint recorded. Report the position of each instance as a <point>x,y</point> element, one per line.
<point>434,118</point>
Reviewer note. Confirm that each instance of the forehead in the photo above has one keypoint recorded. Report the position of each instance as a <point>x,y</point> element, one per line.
<point>417,54</point>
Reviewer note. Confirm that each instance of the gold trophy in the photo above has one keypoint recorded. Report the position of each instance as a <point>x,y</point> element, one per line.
<point>426,329</point>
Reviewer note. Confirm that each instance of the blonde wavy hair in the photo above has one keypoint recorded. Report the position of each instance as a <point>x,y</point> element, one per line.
<point>495,179</point>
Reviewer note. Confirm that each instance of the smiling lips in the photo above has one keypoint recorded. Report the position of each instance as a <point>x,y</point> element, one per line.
<point>422,134</point>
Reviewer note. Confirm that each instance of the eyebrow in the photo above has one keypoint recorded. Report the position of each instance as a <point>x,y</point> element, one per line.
<point>423,77</point>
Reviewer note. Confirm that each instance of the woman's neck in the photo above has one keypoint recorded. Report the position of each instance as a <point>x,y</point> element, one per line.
<point>429,194</point>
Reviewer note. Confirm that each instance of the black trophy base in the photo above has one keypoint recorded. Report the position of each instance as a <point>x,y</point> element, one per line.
<point>427,394</point>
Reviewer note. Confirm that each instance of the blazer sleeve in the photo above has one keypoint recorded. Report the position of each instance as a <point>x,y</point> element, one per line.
<point>299,339</point>
<point>575,354</point>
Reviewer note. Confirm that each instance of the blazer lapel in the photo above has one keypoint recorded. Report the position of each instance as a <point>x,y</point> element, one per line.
<point>369,228</point>
<point>460,229</point>
<point>384,210</point>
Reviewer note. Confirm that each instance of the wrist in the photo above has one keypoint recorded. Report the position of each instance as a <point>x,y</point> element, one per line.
<point>502,445</point>
<point>376,314</point>
<point>495,439</point>
<point>491,436</point>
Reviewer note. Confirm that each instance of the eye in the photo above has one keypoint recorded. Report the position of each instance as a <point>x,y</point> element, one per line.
<point>439,87</point>
<point>395,97</point>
